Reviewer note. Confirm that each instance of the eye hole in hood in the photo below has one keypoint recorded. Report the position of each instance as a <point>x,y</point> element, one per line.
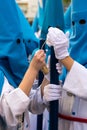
<point>82,21</point>
<point>73,23</point>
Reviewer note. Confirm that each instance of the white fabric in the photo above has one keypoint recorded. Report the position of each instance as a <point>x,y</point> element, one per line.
<point>59,67</point>
<point>46,120</point>
<point>76,81</point>
<point>65,107</point>
<point>14,103</point>
<point>33,120</point>
<point>59,41</point>
<point>52,92</point>
<point>70,103</point>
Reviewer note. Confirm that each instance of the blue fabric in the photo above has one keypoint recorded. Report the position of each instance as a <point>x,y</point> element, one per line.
<point>33,53</point>
<point>35,24</point>
<point>79,6</point>
<point>40,15</point>
<point>44,2</point>
<point>30,40</point>
<point>38,20</point>
<point>12,48</point>
<point>68,27</point>
<point>54,16</point>
<point>78,39</point>
<point>28,33</point>
<point>5,69</point>
<point>67,19</point>
<point>1,80</point>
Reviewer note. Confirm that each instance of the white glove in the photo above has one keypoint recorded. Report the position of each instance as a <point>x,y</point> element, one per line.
<point>52,92</point>
<point>59,67</point>
<point>47,76</point>
<point>59,41</point>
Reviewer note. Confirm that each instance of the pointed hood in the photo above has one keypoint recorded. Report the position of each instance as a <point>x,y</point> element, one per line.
<point>79,6</point>
<point>28,33</point>
<point>67,19</point>
<point>54,16</point>
<point>38,20</point>
<point>40,13</point>
<point>13,58</point>
<point>29,38</point>
<point>78,39</point>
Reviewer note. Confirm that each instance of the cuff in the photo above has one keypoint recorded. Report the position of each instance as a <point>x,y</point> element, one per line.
<point>16,99</point>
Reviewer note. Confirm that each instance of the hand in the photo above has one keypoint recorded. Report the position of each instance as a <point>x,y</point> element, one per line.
<point>47,76</point>
<point>59,67</point>
<point>52,92</point>
<point>38,60</point>
<point>59,41</point>
<point>44,69</point>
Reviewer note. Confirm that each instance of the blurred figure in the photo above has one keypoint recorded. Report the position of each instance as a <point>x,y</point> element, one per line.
<point>73,105</point>
<point>30,40</point>
<point>16,75</point>
<point>67,19</point>
<point>38,20</point>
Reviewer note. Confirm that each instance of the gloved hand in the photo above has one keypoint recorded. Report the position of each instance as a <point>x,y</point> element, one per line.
<point>47,76</point>
<point>59,41</point>
<point>52,92</point>
<point>59,67</point>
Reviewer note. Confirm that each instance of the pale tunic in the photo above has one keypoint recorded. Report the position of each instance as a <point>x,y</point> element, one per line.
<point>76,104</point>
<point>33,121</point>
<point>14,106</point>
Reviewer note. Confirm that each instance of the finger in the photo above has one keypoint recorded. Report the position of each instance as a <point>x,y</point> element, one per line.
<point>59,64</point>
<point>39,52</point>
<point>59,67</point>
<point>41,56</point>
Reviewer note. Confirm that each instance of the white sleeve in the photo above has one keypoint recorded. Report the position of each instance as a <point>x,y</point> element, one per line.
<point>36,105</point>
<point>13,102</point>
<point>76,81</point>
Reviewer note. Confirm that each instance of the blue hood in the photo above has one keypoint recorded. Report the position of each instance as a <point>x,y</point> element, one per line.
<point>13,57</point>
<point>38,20</point>
<point>29,38</point>
<point>78,39</point>
<point>67,19</point>
<point>54,16</point>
